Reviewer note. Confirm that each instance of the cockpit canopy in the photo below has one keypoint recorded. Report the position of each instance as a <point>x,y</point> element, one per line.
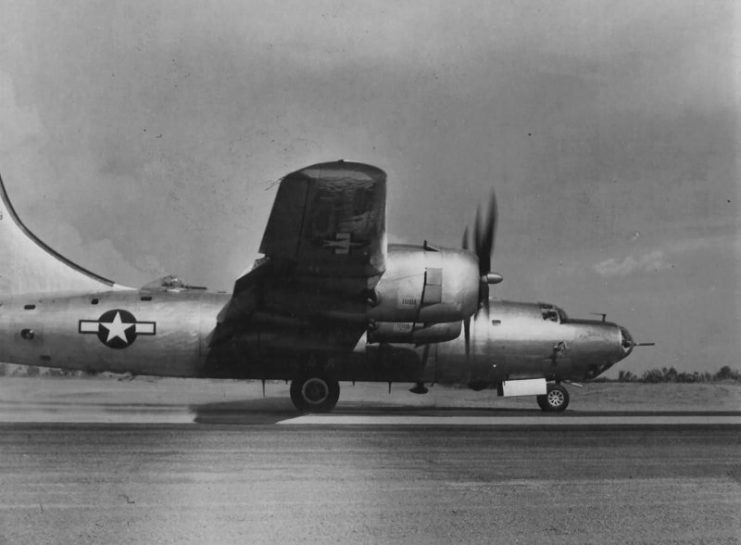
<point>508,310</point>
<point>552,313</point>
<point>169,282</point>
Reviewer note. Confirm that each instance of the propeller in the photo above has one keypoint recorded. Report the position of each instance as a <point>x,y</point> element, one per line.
<point>483,240</point>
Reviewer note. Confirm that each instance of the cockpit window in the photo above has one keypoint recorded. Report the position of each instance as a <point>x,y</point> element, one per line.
<point>552,313</point>
<point>549,312</point>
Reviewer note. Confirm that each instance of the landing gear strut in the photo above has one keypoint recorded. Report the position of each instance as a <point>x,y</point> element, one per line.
<point>315,392</point>
<point>555,400</point>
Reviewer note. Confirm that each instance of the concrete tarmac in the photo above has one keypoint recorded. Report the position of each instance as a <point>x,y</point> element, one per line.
<point>254,472</point>
<point>222,484</point>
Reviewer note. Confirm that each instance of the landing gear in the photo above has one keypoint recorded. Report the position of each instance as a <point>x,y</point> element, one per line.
<point>315,393</point>
<point>555,400</point>
<point>419,388</point>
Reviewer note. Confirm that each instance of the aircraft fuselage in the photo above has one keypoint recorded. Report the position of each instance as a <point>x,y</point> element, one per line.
<point>162,333</point>
<point>168,333</point>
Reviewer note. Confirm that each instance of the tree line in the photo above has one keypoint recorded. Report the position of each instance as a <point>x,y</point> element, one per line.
<point>670,374</point>
<point>665,374</point>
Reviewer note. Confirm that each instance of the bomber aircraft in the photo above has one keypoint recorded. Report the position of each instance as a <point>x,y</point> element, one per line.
<point>330,301</point>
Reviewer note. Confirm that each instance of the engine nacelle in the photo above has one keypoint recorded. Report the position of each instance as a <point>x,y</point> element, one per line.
<point>410,332</point>
<point>426,285</point>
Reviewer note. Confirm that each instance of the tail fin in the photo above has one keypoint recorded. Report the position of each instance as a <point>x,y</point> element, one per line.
<point>27,265</point>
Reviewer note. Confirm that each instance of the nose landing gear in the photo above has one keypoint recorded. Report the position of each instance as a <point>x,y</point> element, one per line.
<point>555,400</point>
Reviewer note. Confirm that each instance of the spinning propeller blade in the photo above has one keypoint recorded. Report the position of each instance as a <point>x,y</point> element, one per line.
<point>484,236</point>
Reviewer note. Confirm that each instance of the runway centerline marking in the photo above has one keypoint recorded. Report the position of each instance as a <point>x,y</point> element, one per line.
<point>382,420</point>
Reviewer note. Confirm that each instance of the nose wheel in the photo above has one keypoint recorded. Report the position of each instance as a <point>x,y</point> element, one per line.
<point>555,400</point>
<point>315,393</point>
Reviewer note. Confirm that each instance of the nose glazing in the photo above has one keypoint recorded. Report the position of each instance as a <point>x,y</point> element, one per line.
<point>626,341</point>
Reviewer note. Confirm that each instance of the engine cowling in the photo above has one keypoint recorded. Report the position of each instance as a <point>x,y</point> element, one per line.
<point>410,332</point>
<point>426,285</point>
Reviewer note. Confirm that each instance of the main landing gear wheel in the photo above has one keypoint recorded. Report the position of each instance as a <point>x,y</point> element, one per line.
<point>315,393</point>
<point>555,400</point>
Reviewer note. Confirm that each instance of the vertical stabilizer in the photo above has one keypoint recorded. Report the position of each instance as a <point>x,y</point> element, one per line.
<point>27,265</point>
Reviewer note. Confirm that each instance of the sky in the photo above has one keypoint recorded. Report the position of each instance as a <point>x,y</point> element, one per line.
<point>144,138</point>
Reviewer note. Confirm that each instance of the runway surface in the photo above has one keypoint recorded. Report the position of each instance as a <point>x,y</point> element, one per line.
<point>96,469</point>
<point>356,484</point>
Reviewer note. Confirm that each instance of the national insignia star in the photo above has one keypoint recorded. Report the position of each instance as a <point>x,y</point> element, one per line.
<point>116,328</point>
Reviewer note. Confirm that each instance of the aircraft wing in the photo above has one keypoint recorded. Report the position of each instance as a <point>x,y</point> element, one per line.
<point>325,250</point>
<point>329,220</point>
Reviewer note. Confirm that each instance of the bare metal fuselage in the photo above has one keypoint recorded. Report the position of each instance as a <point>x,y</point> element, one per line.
<point>169,333</point>
<point>531,340</point>
<point>60,331</point>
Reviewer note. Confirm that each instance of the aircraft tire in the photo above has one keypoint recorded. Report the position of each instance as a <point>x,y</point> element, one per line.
<point>555,400</point>
<point>315,393</point>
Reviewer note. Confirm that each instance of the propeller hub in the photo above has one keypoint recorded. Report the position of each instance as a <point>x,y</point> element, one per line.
<point>492,278</point>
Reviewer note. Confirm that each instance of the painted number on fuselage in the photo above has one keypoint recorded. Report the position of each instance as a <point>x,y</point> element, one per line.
<point>117,328</point>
